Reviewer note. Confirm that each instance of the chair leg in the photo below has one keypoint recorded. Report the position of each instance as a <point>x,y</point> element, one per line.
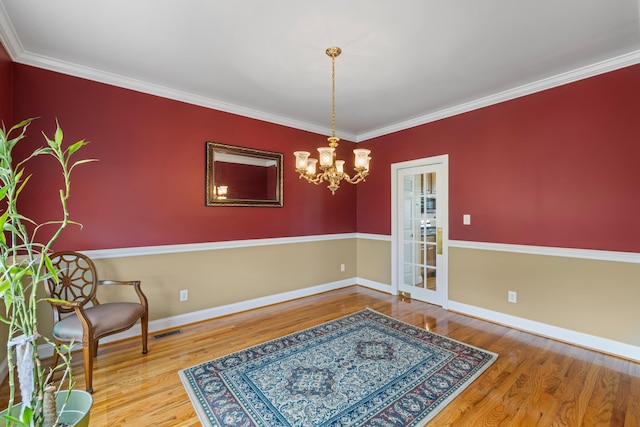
<point>88,352</point>
<point>144,323</point>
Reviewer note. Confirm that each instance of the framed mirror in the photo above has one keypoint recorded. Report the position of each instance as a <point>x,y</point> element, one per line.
<point>239,176</point>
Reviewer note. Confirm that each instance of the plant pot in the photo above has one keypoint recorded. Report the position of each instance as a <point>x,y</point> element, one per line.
<point>76,411</point>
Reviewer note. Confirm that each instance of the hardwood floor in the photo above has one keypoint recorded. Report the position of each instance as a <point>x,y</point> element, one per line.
<point>534,382</point>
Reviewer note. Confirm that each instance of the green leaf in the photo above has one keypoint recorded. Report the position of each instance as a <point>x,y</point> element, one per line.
<point>80,162</point>
<point>4,286</point>
<point>3,221</point>
<point>18,174</point>
<point>75,147</point>
<point>58,135</point>
<point>26,416</point>
<point>23,124</point>
<point>50,267</point>
<point>14,420</point>
<point>51,142</point>
<point>3,192</point>
<point>19,273</point>
<point>58,301</point>
<point>42,150</point>
<point>22,185</point>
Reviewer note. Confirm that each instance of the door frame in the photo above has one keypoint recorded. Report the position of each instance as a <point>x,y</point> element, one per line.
<point>443,203</point>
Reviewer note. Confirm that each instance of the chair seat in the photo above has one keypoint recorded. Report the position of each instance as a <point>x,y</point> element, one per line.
<point>106,319</point>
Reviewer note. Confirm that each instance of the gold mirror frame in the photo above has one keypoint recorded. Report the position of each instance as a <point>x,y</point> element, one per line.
<point>239,176</point>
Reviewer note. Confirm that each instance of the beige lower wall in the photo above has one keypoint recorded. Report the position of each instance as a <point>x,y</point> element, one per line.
<point>594,297</point>
<point>220,277</point>
<point>374,260</point>
<point>598,298</point>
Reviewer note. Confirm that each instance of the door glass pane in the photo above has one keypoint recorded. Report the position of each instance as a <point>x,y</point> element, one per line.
<point>408,234</point>
<point>430,260</point>
<point>409,275</point>
<point>419,230</point>
<point>431,279</point>
<point>408,253</point>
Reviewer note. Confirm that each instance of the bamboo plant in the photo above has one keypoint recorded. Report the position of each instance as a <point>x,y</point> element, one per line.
<point>24,265</point>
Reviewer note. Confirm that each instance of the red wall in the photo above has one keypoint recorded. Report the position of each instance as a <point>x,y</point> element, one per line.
<point>556,168</point>
<point>6,90</point>
<point>148,186</point>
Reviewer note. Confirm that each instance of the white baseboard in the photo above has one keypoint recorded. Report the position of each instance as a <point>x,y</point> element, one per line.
<point>378,286</point>
<point>592,342</point>
<point>210,313</point>
<point>46,350</point>
<point>584,340</point>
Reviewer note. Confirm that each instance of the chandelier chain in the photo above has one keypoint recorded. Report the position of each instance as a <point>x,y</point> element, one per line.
<point>333,96</point>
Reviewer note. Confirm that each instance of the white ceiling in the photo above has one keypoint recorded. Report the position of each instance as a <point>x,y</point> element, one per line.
<point>404,62</point>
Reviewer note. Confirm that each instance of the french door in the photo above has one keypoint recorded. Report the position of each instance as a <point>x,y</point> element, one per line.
<point>420,231</point>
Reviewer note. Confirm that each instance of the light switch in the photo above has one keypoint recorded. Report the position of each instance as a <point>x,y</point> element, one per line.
<point>466,219</point>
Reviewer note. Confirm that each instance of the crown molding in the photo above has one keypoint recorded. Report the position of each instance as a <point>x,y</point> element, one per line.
<point>592,70</point>
<point>63,67</point>
<point>8,35</point>
<point>17,53</point>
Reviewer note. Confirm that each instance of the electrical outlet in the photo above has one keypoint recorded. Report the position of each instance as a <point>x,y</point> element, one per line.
<point>342,267</point>
<point>512,297</point>
<point>184,295</point>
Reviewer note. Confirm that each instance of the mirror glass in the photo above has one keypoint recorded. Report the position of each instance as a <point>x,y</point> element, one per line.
<point>239,176</point>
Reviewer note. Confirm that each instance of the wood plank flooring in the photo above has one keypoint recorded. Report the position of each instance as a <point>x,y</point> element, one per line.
<point>534,382</point>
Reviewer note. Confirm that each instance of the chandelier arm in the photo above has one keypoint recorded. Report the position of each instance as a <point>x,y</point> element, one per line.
<point>357,178</point>
<point>313,179</point>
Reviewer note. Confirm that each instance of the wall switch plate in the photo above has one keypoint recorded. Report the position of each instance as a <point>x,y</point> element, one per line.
<point>512,297</point>
<point>466,219</point>
<point>342,267</point>
<point>184,295</point>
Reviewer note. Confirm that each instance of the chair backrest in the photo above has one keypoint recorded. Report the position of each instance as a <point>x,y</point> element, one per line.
<point>77,280</point>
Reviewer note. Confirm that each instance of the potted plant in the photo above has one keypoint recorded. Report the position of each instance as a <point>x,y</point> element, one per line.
<point>24,265</point>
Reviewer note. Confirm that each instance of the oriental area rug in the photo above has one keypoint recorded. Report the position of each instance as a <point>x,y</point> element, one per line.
<point>364,369</point>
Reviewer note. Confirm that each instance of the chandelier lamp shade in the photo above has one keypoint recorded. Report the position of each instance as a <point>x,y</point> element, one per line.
<point>332,170</point>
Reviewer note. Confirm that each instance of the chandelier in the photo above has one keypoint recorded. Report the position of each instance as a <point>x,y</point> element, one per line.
<point>332,170</point>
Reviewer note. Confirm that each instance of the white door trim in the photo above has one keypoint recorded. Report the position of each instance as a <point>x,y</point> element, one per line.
<point>441,159</point>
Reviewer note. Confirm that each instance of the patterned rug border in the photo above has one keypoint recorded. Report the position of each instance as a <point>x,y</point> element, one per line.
<point>204,419</point>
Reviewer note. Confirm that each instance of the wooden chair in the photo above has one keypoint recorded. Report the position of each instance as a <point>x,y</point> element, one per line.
<point>82,319</point>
